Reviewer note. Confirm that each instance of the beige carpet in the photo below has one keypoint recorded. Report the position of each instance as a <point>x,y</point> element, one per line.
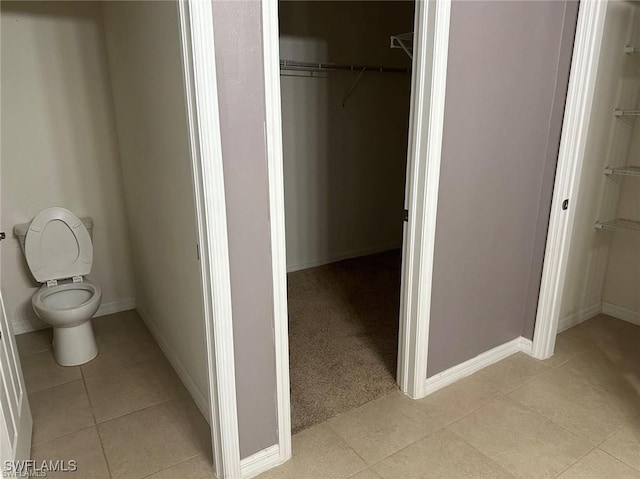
<point>343,335</point>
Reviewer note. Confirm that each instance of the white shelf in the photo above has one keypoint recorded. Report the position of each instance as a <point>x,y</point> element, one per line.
<point>623,171</point>
<point>619,225</point>
<point>631,49</point>
<point>620,112</point>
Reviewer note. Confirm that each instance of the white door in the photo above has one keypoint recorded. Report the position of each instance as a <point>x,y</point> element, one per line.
<point>15,415</point>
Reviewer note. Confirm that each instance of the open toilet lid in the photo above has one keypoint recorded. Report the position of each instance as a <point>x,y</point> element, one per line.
<point>58,246</point>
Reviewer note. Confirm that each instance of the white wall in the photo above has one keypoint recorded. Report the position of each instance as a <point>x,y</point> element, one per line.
<point>146,73</point>
<point>593,252</point>
<point>59,145</point>
<point>622,281</point>
<point>344,167</point>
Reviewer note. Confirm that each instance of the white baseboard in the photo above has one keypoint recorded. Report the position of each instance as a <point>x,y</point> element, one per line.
<point>526,345</point>
<point>619,312</point>
<point>332,259</point>
<point>474,365</point>
<point>579,317</point>
<point>23,325</point>
<point>199,398</point>
<point>116,307</point>
<point>260,462</point>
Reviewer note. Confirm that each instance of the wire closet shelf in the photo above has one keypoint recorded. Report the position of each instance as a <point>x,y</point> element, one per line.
<point>619,225</point>
<point>295,65</point>
<point>622,171</point>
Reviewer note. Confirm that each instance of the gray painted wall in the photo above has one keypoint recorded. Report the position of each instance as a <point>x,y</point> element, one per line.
<point>238,37</point>
<point>506,82</point>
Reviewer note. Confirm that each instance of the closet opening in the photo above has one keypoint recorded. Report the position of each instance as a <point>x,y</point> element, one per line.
<point>345,79</point>
<point>593,308</point>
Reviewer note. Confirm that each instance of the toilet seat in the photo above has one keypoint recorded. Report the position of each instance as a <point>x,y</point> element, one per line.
<point>58,246</point>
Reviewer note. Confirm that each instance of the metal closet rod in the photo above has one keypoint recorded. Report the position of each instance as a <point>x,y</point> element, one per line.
<point>320,67</point>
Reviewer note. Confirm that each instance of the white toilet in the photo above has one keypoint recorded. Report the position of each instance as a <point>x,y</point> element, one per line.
<point>58,249</point>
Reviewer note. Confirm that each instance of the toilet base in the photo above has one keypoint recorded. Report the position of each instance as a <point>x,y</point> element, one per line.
<point>74,346</point>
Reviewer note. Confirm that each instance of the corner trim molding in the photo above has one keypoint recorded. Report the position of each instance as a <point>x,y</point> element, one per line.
<point>621,313</point>
<point>275,168</point>
<point>579,317</point>
<point>582,79</point>
<point>428,88</point>
<point>203,117</point>
<point>260,462</point>
<point>473,365</point>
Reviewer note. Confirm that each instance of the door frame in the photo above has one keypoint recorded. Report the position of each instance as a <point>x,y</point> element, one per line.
<point>429,72</point>
<point>580,94</point>
<point>201,97</point>
<point>425,140</point>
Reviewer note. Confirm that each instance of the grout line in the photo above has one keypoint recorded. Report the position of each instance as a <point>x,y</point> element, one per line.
<point>104,454</point>
<point>39,444</point>
<point>481,453</point>
<point>173,465</point>
<point>617,458</point>
<point>576,461</point>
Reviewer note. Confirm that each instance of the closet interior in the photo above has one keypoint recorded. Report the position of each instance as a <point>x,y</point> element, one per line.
<point>603,275</point>
<point>345,88</point>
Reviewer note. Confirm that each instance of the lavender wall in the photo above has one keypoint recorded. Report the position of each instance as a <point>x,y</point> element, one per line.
<point>506,84</point>
<point>238,37</point>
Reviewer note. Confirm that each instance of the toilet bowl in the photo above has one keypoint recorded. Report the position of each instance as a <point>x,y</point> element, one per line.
<point>57,246</point>
<point>67,307</point>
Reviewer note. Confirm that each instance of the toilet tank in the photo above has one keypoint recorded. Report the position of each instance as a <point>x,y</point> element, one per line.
<point>21,230</point>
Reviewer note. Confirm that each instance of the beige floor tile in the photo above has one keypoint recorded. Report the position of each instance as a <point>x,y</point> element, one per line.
<point>512,372</point>
<point>119,324</point>
<point>595,368</point>
<point>458,399</point>
<point>596,330</point>
<point>623,349</point>
<point>59,411</point>
<point>34,342</point>
<point>318,453</point>
<point>199,467</point>
<point>566,348</point>
<point>120,350</point>
<point>584,410</point>
<point>83,447</point>
<point>625,444</point>
<point>599,465</point>
<point>521,441</point>
<point>441,455</point>
<point>124,390</point>
<point>368,474</point>
<point>41,372</point>
<point>384,426</point>
<point>148,441</point>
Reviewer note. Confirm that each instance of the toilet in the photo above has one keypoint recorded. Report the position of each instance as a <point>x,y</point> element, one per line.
<point>58,249</point>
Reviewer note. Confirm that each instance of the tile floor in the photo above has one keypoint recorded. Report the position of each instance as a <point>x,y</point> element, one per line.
<point>576,415</point>
<point>124,415</point>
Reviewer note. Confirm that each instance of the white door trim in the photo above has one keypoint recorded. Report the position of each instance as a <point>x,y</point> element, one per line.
<point>431,40</point>
<point>428,86</point>
<point>273,139</point>
<point>197,39</point>
<point>582,79</point>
